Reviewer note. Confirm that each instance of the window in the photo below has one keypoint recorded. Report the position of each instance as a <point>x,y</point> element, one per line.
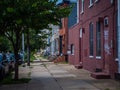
<point>91,3</point>
<point>60,23</point>
<point>91,39</point>
<point>98,40</point>
<point>117,36</point>
<point>106,21</point>
<point>60,44</point>
<point>72,49</point>
<point>82,6</point>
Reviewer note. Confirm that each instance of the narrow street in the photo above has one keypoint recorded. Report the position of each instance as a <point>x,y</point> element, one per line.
<point>49,76</point>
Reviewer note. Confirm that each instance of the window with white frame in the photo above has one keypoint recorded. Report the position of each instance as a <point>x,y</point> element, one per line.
<point>82,6</point>
<point>98,39</point>
<point>72,49</point>
<point>116,36</point>
<point>91,39</point>
<point>91,3</point>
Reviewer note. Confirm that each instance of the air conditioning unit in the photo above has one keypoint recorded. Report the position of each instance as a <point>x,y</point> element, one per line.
<point>106,21</point>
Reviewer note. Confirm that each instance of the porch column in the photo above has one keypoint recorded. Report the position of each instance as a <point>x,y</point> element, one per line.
<point>118,36</point>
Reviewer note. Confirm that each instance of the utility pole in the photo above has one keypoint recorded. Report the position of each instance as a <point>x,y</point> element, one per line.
<point>23,46</point>
<point>28,48</point>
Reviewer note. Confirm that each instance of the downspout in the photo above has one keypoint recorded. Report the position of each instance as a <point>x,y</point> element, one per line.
<point>118,36</point>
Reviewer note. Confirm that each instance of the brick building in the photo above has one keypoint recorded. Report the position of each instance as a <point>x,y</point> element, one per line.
<point>63,31</point>
<point>93,39</point>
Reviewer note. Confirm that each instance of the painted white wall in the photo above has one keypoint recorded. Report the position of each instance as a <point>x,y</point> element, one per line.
<point>55,35</point>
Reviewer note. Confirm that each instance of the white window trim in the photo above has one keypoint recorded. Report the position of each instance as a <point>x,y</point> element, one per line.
<point>82,8</point>
<point>91,56</point>
<point>72,54</point>
<point>116,59</point>
<point>91,4</point>
<point>98,57</point>
<point>72,49</point>
<point>81,12</point>
<point>96,1</point>
<point>77,11</point>
<point>81,31</point>
<point>111,1</point>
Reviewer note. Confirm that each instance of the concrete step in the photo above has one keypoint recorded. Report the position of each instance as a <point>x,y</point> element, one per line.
<point>78,66</point>
<point>100,75</point>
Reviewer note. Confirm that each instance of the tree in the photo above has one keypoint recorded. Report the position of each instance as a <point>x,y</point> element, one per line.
<point>18,16</point>
<point>38,40</point>
<point>4,44</point>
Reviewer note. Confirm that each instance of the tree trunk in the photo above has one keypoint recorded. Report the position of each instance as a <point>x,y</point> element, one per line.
<point>28,49</point>
<point>16,64</point>
<point>16,47</point>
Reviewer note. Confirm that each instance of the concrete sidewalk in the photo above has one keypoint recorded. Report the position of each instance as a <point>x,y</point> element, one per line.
<point>84,75</point>
<point>49,76</point>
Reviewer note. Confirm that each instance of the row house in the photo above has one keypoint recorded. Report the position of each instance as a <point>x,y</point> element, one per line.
<point>54,40</point>
<point>66,23</point>
<point>93,40</point>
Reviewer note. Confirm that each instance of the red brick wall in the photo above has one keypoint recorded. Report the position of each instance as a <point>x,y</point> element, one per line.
<point>74,39</point>
<point>107,62</point>
<point>101,9</point>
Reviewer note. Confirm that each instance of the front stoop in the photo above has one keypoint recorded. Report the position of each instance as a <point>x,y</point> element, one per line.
<point>78,66</point>
<point>59,59</point>
<point>100,75</point>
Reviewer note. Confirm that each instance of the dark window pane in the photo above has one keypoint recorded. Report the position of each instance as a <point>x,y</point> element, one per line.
<point>98,39</point>
<point>91,38</point>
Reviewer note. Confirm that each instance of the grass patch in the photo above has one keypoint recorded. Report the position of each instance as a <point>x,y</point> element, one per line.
<point>45,65</point>
<point>62,63</point>
<point>43,57</point>
<point>9,80</point>
<point>32,57</point>
<point>29,74</point>
<point>31,67</point>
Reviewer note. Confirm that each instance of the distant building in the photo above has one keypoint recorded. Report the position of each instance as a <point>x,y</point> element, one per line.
<point>63,31</point>
<point>54,40</point>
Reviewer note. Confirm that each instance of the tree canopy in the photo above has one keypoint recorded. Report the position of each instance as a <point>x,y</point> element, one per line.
<point>35,14</point>
<point>18,16</point>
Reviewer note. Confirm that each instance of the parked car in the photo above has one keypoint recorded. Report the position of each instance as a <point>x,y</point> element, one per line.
<point>2,73</point>
<point>7,62</point>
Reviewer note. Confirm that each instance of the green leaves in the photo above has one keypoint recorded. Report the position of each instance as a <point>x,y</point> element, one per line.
<point>10,9</point>
<point>34,4</point>
<point>35,14</point>
<point>19,21</point>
